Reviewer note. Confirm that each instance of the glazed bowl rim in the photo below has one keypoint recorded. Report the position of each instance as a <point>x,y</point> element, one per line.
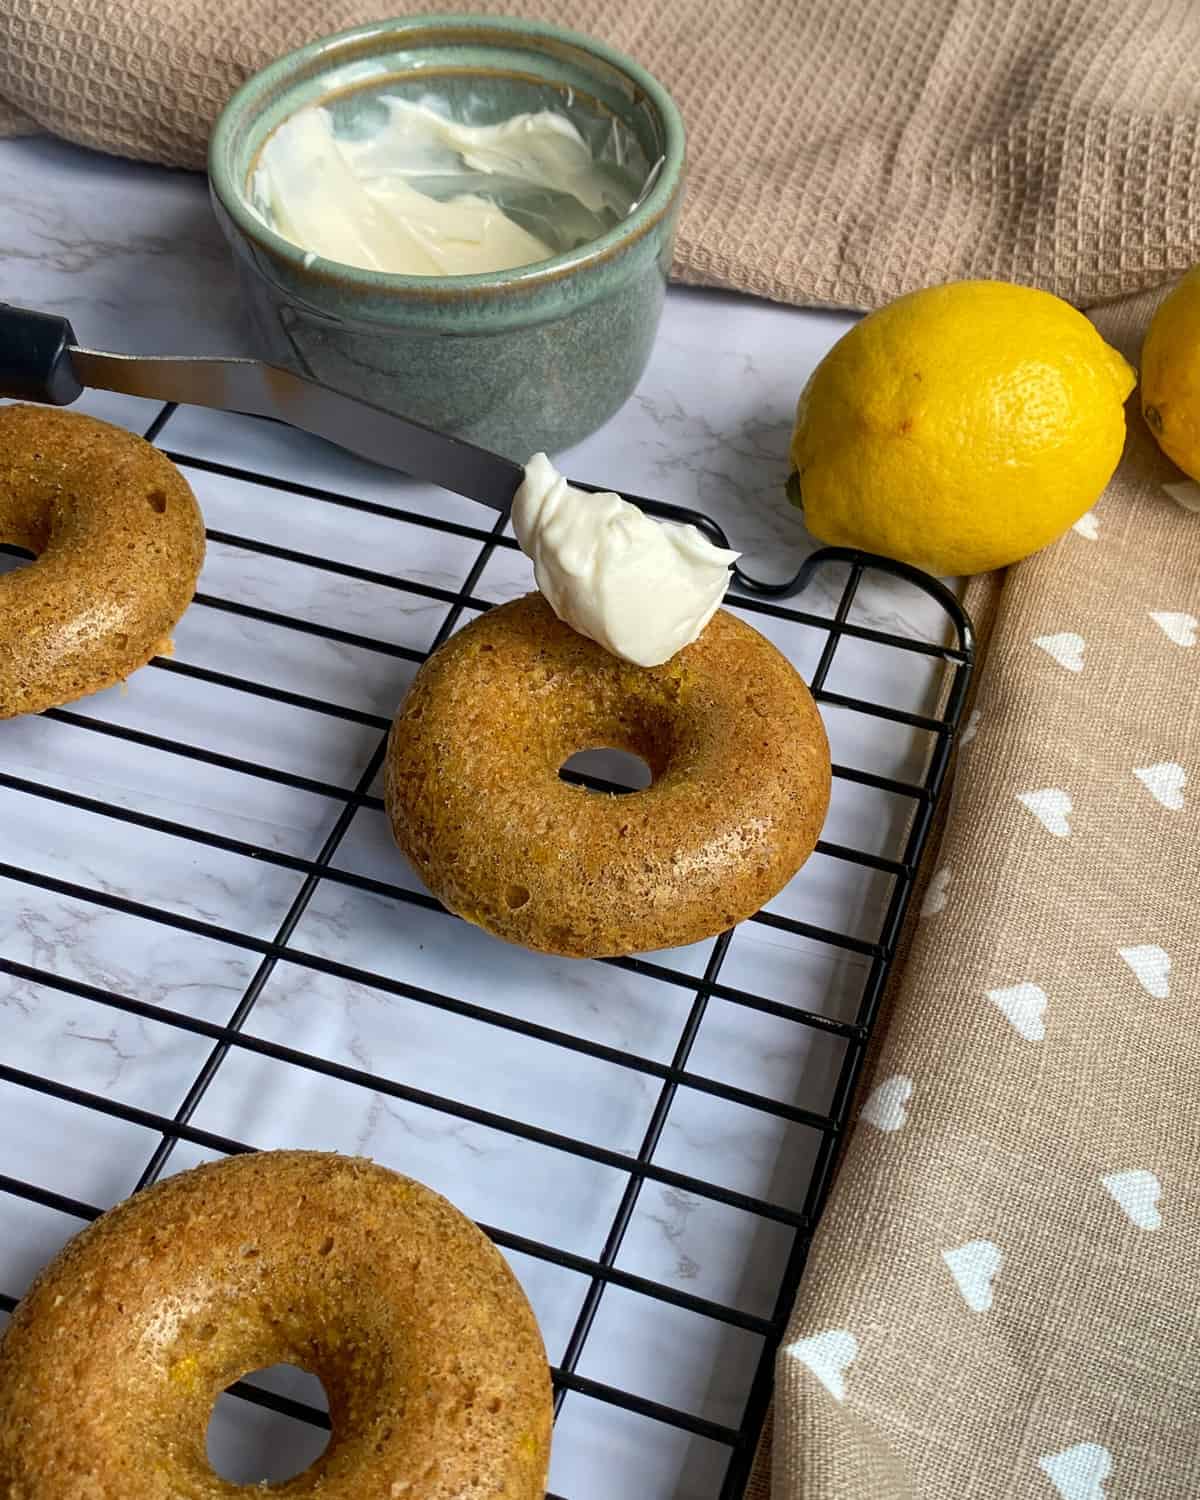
<point>646,215</point>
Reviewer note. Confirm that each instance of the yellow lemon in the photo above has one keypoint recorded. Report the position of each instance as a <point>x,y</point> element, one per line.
<point>959,428</point>
<point>1171,375</point>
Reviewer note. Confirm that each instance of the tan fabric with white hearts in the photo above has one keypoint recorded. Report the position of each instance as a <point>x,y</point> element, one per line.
<point>840,152</point>
<point>1003,1299</point>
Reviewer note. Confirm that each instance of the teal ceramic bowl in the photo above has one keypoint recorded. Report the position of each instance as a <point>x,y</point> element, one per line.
<point>529,359</point>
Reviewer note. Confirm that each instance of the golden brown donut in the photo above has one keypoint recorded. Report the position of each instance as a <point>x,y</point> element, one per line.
<point>119,542</point>
<point>428,1351</point>
<point>736,749</point>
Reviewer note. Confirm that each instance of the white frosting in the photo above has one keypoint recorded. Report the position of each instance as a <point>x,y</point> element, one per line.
<point>643,589</point>
<point>360,201</point>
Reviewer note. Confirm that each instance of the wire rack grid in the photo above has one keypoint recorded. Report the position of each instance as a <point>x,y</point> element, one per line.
<point>218,1041</point>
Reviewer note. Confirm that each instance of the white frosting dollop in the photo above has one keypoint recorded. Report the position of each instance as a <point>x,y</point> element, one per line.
<point>642,589</point>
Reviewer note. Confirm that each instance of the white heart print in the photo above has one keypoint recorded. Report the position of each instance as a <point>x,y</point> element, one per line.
<point>885,1107</point>
<point>935,892</point>
<point>1087,526</point>
<point>1151,966</point>
<point>1137,1193</point>
<point>1050,807</point>
<point>828,1355</point>
<point>1186,495</point>
<point>1066,648</point>
<point>1165,781</point>
<point>1022,1005</point>
<point>1176,626</point>
<point>1078,1473</point>
<point>974,1267</point>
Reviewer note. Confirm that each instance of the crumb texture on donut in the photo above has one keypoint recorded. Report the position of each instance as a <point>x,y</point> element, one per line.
<point>735,745</point>
<point>427,1348</point>
<point>118,539</point>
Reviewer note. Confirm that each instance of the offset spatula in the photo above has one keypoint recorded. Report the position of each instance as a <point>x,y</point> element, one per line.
<point>40,361</point>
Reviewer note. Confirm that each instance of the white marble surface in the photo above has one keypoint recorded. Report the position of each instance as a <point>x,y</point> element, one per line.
<point>132,256</point>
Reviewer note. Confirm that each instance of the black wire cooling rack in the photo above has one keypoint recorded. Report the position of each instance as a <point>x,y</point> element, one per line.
<point>225,1038</point>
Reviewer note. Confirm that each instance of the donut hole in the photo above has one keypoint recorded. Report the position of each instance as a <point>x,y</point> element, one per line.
<point>621,771</point>
<point>249,1444</point>
<point>13,557</point>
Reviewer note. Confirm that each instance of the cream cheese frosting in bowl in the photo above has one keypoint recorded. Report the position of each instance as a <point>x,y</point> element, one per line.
<point>467,220</point>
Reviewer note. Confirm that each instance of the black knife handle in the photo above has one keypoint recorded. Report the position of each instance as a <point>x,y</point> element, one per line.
<point>35,357</point>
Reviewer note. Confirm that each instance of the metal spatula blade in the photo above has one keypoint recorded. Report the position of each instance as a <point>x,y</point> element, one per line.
<point>40,361</point>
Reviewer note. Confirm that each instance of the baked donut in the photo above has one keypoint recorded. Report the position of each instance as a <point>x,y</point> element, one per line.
<point>428,1351</point>
<point>735,746</point>
<point>119,542</point>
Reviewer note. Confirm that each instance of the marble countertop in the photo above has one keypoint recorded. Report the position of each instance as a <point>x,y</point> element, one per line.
<point>132,256</point>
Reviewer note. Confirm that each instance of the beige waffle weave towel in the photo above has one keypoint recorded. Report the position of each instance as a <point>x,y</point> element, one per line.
<point>842,151</point>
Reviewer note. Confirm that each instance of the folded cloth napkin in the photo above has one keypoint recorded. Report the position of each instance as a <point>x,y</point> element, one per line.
<point>842,151</point>
<point>1001,1300</point>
